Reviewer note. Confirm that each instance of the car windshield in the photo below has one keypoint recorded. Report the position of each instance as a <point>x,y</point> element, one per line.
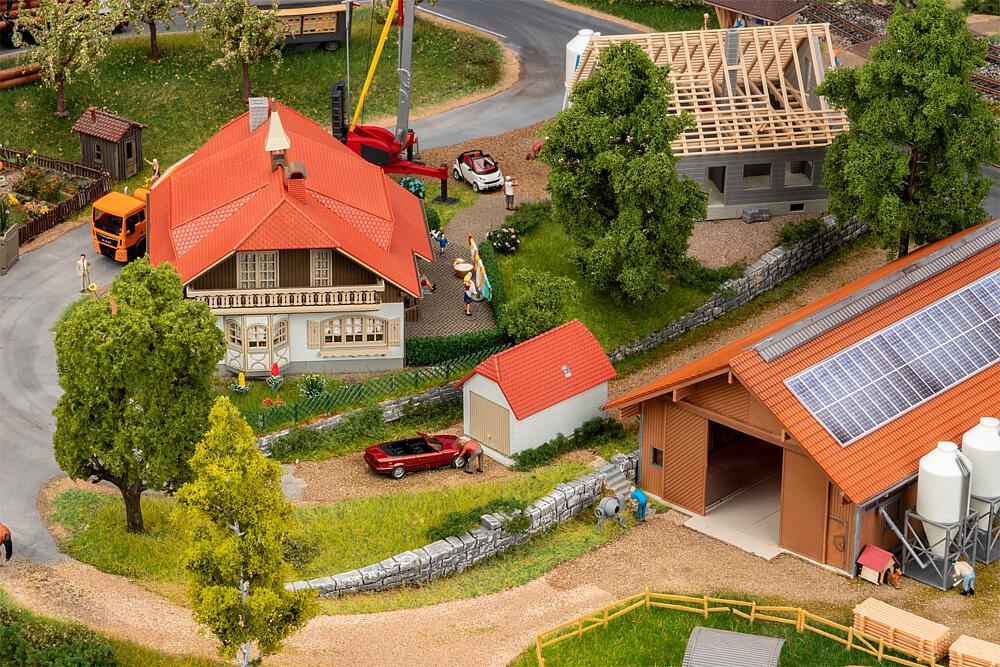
<point>433,442</point>
<point>483,165</point>
<point>106,222</point>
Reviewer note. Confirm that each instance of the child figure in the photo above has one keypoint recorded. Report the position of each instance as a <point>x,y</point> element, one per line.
<point>467,296</point>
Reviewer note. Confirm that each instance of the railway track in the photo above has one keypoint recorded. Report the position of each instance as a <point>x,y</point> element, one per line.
<point>847,29</point>
<point>985,84</point>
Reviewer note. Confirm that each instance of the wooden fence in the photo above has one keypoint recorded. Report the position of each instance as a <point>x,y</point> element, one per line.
<point>100,183</point>
<point>803,620</point>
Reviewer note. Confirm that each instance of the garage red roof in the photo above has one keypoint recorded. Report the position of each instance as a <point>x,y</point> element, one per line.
<point>548,368</point>
<point>104,125</point>
<point>225,198</point>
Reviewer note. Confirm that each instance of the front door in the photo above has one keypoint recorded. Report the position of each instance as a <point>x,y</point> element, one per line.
<point>489,424</point>
<point>131,167</point>
<point>836,542</point>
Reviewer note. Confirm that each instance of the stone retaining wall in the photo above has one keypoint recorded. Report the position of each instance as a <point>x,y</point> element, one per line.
<point>456,553</point>
<point>392,409</point>
<point>770,269</point>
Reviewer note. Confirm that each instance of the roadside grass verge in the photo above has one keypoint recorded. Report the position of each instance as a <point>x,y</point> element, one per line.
<point>184,100</point>
<point>343,536</point>
<point>659,636</point>
<point>545,248</point>
<point>70,643</point>
<point>659,16</point>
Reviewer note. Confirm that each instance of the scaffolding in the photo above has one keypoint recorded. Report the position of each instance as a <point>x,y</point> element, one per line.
<point>988,538</point>
<point>920,561</point>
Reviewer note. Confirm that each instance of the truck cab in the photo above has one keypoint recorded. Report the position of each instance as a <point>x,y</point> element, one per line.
<point>118,225</point>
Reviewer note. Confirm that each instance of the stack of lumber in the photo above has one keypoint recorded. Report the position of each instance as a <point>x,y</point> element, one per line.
<point>907,632</point>
<point>971,652</point>
<point>20,75</point>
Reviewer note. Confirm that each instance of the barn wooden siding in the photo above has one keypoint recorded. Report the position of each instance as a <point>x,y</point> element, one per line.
<point>732,400</point>
<point>803,506</point>
<point>683,437</point>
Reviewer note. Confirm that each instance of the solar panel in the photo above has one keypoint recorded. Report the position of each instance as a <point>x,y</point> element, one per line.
<point>893,371</point>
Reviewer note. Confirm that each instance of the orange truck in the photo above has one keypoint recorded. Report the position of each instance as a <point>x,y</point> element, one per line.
<point>118,225</point>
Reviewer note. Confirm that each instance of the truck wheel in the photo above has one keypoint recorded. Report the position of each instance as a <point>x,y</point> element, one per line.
<point>331,46</point>
<point>398,472</point>
<point>458,462</point>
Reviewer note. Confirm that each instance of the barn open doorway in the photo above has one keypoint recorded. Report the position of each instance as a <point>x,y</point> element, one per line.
<point>736,461</point>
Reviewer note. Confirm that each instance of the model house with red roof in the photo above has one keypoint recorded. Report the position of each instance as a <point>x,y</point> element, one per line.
<point>303,250</point>
<point>528,394</point>
<point>807,434</point>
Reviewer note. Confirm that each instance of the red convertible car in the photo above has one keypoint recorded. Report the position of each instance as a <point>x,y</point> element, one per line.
<point>420,453</point>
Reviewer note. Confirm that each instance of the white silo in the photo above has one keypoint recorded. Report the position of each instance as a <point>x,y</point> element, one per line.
<point>574,50</point>
<point>981,445</point>
<point>942,491</point>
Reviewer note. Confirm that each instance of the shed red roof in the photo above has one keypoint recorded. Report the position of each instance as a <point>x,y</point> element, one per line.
<point>104,125</point>
<point>875,557</point>
<point>226,198</point>
<point>769,10</point>
<point>548,368</point>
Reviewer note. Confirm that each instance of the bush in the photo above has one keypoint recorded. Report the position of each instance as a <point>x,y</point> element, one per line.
<point>298,550</point>
<point>434,350</point>
<point>366,423</point>
<point>38,184</point>
<point>529,215</point>
<point>692,273</point>
<point>793,232</point>
<point>312,386</point>
<point>588,434</point>
<point>982,7</point>
<point>457,523</point>
<point>298,442</point>
<point>413,185</point>
<point>433,219</point>
<point>504,240</point>
<point>542,303</point>
<point>31,642</point>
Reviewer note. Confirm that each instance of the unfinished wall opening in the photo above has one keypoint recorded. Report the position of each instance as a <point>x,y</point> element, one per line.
<point>757,176</point>
<point>798,173</point>
<point>716,184</point>
<point>793,208</point>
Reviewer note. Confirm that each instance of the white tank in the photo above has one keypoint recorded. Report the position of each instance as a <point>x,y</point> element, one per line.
<point>981,445</point>
<point>574,49</point>
<point>942,491</point>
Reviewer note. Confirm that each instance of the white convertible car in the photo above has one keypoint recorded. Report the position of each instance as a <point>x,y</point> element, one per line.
<point>478,170</point>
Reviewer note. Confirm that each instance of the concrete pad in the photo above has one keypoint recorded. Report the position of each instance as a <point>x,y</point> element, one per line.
<point>748,520</point>
<point>291,485</point>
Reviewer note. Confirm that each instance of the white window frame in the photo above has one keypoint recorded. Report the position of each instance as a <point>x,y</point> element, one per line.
<point>234,334</point>
<point>321,268</point>
<point>257,338</point>
<point>353,332</point>
<point>280,333</point>
<point>257,270</point>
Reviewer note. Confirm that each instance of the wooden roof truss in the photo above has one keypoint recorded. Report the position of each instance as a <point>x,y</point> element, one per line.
<point>747,96</point>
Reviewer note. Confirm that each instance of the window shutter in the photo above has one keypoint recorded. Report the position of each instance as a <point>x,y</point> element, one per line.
<point>394,327</point>
<point>313,336</point>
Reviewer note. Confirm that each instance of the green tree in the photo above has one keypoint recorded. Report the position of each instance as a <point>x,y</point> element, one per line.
<point>541,303</point>
<point>910,162</point>
<point>149,12</point>
<point>244,33</point>
<point>614,181</point>
<point>238,520</point>
<point>72,38</point>
<point>136,369</point>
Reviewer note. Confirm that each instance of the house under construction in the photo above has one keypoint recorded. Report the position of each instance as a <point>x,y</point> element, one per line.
<point>760,132</point>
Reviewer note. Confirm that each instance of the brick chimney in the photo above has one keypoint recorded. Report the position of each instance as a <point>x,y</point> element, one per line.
<point>296,182</point>
<point>93,114</point>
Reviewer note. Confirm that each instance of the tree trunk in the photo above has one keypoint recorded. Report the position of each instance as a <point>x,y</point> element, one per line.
<point>60,96</point>
<point>911,186</point>
<point>133,509</point>
<point>154,46</point>
<point>904,244</point>
<point>246,82</point>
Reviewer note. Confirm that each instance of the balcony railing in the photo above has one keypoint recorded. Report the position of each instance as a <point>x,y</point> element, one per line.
<point>291,299</point>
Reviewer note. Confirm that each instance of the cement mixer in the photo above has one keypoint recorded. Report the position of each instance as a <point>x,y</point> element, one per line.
<point>609,508</point>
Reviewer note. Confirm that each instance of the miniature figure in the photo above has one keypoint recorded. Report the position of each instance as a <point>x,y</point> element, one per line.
<point>7,542</point>
<point>895,575</point>
<point>155,164</point>
<point>426,285</point>
<point>964,572</point>
<point>706,21</point>
<point>442,241</point>
<point>473,450</point>
<point>641,502</point>
<point>467,296</point>
<point>508,191</point>
<point>83,272</point>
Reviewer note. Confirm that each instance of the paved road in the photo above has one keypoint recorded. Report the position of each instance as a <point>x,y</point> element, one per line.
<point>32,296</point>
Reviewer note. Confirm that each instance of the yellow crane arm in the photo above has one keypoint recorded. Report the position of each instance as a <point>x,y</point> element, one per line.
<point>371,68</point>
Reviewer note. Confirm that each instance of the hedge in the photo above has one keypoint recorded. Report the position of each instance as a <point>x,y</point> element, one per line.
<point>26,639</point>
<point>433,350</point>
<point>588,434</point>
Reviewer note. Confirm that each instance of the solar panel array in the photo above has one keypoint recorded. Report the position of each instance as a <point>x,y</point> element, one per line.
<point>891,372</point>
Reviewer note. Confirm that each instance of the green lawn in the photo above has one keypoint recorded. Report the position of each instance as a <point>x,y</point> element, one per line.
<point>544,247</point>
<point>184,100</point>
<point>659,637</point>
<point>463,193</point>
<point>46,633</point>
<point>657,15</point>
<point>349,534</point>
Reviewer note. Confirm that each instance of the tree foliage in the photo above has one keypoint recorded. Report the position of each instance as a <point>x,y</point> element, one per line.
<point>541,303</point>
<point>148,12</point>
<point>238,520</point>
<point>71,38</point>
<point>910,162</point>
<point>244,34</point>
<point>136,369</point>
<point>614,181</point>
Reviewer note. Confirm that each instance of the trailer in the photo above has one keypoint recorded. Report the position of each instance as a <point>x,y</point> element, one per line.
<point>312,23</point>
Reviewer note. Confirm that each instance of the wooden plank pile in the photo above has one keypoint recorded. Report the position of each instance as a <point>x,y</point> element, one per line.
<point>16,7</point>
<point>971,652</point>
<point>918,636</point>
<point>20,75</point>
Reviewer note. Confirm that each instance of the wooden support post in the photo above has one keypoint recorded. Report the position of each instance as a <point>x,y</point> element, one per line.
<point>753,612</point>
<point>538,651</point>
<point>605,617</point>
<point>704,602</point>
<point>647,597</point>
<point>579,627</point>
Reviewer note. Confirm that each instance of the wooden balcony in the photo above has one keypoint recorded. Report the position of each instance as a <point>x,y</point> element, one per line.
<point>291,299</point>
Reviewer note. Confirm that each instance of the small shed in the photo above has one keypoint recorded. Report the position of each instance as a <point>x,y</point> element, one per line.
<point>755,12</point>
<point>708,647</point>
<point>876,564</point>
<point>526,395</point>
<point>110,142</point>
<point>968,651</point>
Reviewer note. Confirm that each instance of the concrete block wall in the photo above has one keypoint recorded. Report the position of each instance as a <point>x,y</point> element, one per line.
<point>770,269</point>
<point>457,552</point>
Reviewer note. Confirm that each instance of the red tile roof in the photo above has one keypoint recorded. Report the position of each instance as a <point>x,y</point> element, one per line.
<point>104,125</point>
<point>225,198</point>
<point>892,452</point>
<point>548,368</point>
<point>875,557</point>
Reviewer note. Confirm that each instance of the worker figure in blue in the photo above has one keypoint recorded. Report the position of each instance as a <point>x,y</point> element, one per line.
<point>641,503</point>
<point>962,571</point>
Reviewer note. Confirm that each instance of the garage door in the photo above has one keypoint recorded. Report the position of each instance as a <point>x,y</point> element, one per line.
<point>489,423</point>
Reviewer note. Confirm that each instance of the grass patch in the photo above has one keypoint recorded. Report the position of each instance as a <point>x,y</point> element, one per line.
<point>463,193</point>
<point>55,642</point>
<point>544,248</point>
<point>661,16</point>
<point>623,444</point>
<point>659,637</point>
<point>184,100</point>
<point>588,435</point>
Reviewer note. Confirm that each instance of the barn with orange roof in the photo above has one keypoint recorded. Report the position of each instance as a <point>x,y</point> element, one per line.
<point>303,250</point>
<point>806,435</point>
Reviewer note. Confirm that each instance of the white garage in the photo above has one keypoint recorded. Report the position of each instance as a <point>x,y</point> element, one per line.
<point>528,394</point>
